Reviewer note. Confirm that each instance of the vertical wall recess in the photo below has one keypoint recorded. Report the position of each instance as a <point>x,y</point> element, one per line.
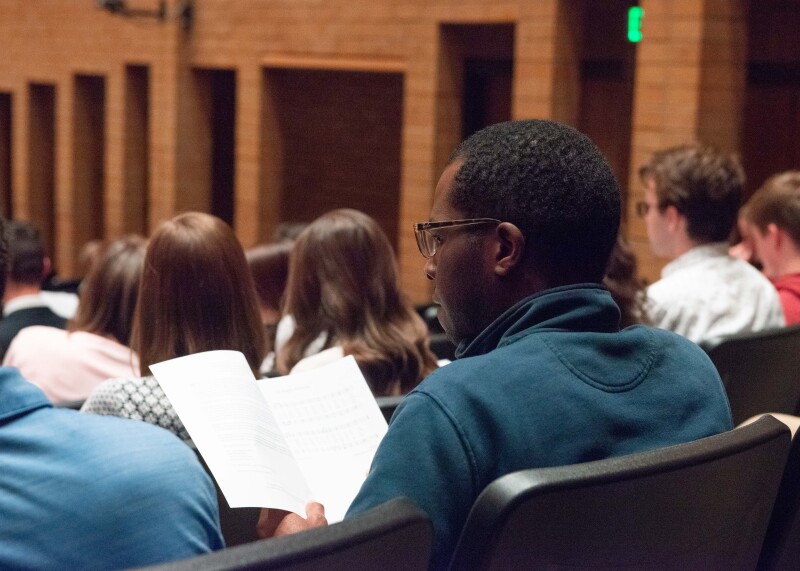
<point>338,138</point>
<point>42,159</point>
<point>208,152</point>
<point>772,102</point>
<point>223,143</point>
<point>6,202</point>
<point>137,148</point>
<point>607,77</point>
<point>476,75</point>
<point>88,147</point>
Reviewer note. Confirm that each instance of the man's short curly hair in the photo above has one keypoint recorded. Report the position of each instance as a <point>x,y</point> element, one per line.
<point>553,183</point>
<point>704,184</point>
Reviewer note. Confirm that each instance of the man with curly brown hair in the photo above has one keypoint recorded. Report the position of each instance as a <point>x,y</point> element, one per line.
<point>692,197</point>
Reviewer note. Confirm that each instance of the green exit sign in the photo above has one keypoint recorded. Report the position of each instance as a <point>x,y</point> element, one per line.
<point>635,14</point>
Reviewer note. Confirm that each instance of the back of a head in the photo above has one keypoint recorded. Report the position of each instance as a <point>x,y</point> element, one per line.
<point>25,253</point>
<point>343,282</point>
<point>269,265</point>
<point>288,231</point>
<point>554,184</point>
<point>110,290</point>
<point>196,294</point>
<point>90,254</point>
<point>703,184</point>
<point>777,202</point>
<point>342,267</point>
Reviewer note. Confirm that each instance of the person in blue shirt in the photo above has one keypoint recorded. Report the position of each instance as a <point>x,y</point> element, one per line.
<point>523,221</point>
<point>80,491</point>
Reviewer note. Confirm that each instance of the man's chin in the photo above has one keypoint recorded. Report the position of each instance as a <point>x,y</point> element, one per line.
<point>445,323</point>
<point>451,333</point>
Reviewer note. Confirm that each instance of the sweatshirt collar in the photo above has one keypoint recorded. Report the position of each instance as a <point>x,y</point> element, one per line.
<point>577,307</point>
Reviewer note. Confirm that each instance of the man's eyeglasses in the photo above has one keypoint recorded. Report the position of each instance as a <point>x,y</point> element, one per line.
<point>427,242</point>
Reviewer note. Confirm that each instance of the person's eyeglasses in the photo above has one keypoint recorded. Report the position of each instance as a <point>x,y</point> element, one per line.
<point>427,242</point>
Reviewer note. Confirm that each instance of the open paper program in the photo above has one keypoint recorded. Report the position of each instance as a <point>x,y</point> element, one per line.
<point>279,442</point>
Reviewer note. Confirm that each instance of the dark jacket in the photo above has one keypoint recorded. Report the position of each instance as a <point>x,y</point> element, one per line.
<point>12,323</point>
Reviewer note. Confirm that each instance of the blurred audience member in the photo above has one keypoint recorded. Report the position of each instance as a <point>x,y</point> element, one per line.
<point>343,296</point>
<point>63,303</point>
<point>85,492</point>
<point>23,303</point>
<point>196,294</point>
<point>62,294</point>
<point>624,284</point>
<point>288,231</point>
<point>742,239</point>
<point>774,213</point>
<point>67,365</point>
<point>692,196</point>
<point>269,265</point>
<point>89,253</point>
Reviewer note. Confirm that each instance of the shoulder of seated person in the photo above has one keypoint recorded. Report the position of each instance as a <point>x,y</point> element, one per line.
<point>143,437</point>
<point>108,389</point>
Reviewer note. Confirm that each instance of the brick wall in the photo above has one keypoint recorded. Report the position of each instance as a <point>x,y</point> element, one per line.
<point>403,59</point>
<point>341,135</point>
<point>689,84</point>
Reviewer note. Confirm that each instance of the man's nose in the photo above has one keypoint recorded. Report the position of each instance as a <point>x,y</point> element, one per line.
<point>430,269</point>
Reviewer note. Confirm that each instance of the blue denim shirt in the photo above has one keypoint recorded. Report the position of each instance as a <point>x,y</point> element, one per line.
<point>79,491</point>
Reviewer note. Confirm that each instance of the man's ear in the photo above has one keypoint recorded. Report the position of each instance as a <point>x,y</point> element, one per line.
<point>774,234</point>
<point>46,267</point>
<point>511,248</point>
<point>674,218</point>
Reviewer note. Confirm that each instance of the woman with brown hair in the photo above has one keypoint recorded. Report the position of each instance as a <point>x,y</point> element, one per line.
<point>196,295</point>
<point>625,286</point>
<point>67,365</point>
<point>269,266</point>
<point>343,293</point>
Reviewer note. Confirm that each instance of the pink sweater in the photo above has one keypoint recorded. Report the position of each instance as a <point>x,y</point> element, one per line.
<point>68,365</point>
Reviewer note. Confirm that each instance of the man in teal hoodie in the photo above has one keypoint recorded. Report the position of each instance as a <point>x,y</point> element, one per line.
<point>523,221</point>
